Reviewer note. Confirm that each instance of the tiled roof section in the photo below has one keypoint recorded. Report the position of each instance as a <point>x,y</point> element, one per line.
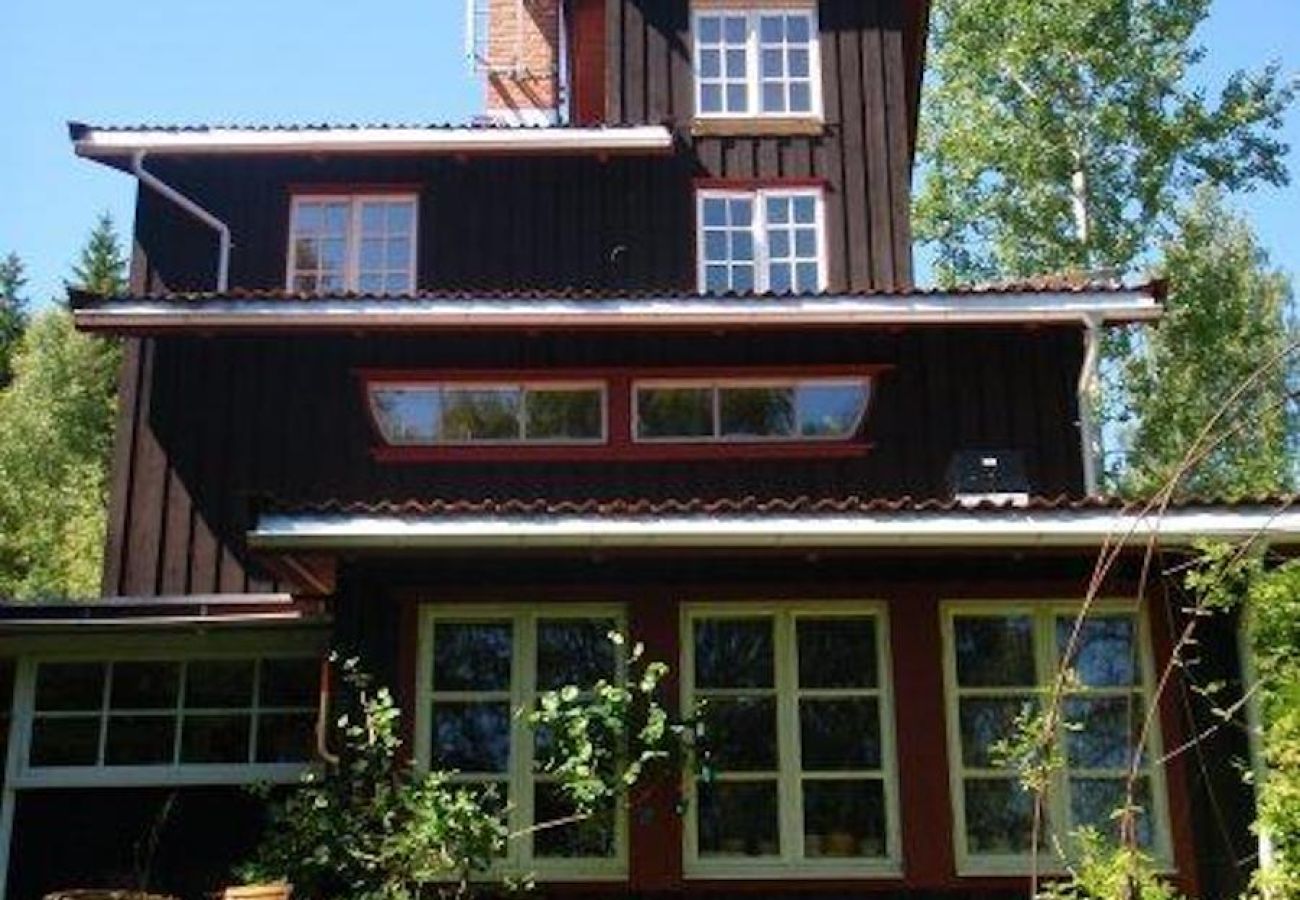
<point>77,130</point>
<point>1041,285</point>
<point>749,505</point>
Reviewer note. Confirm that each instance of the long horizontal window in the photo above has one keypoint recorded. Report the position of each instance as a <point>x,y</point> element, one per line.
<point>92,719</point>
<point>757,411</point>
<point>478,667</point>
<point>799,766</point>
<point>459,414</point>
<point>1002,662</point>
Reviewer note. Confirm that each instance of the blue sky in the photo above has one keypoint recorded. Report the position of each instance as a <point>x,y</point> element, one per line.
<point>250,61</point>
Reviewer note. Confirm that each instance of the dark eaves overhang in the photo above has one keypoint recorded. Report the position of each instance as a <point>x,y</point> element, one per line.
<point>750,524</point>
<point>205,612</point>
<point>117,145</point>
<point>454,311</point>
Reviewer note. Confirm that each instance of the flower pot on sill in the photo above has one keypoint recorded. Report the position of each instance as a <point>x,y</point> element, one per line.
<point>276,891</point>
<point>841,843</point>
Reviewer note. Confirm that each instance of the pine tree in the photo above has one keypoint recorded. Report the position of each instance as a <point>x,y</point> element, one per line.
<point>101,267</point>
<point>13,312</point>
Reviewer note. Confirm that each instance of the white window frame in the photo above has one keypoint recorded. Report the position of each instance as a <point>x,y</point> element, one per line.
<point>717,385</point>
<point>22,775</point>
<point>791,863</point>
<point>759,228</point>
<point>1044,615</point>
<point>519,859</point>
<point>539,386</point>
<point>352,248</point>
<point>753,60</point>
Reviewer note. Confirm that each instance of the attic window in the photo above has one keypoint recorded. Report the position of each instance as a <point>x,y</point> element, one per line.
<point>769,240</point>
<point>757,63</point>
<point>352,243</point>
<point>426,414</point>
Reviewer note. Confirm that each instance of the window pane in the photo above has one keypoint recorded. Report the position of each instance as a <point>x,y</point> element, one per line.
<point>471,737</point>
<point>741,734</point>
<point>1095,802</point>
<point>807,278</point>
<point>741,211</point>
<point>737,98</point>
<point>69,686</point>
<point>710,64</point>
<point>715,212</point>
<point>805,209</point>
<point>778,210</point>
<point>734,653</point>
<point>145,685</point>
<point>219,683</point>
<point>734,29</point>
<point>840,734</point>
<point>742,279</point>
<point>407,415</point>
<point>290,682</point>
<point>757,412</point>
<point>372,254</point>
<point>574,651</point>
<point>286,737</point>
<point>999,816</point>
<point>844,818</point>
<point>64,742</point>
<point>589,837</point>
<point>401,216</point>
<point>837,652</point>
<point>738,819</point>
<point>574,414</point>
<point>983,722</point>
<point>994,651</point>
<point>798,62</point>
<point>710,29</point>
<point>716,247</point>
<point>215,739</point>
<point>833,410</point>
<point>1103,731</point>
<point>370,283</point>
<point>674,412</point>
<point>780,278</point>
<point>487,414</point>
<point>771,29</point>
<point>800,97</point>
<point>1106,653</point>
<point>772,64</point>
<point>798,29</point>
<point>473,656</point>
<point>140,740</point>
<point>773,98</point>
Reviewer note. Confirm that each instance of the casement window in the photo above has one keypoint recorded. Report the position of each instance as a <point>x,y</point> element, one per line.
<point>478,667</point>
<point>360,243</point>
<point>757,63</point>
<point>452,414</point>
<point>739,411</point>
<point>768,240</point>
<point>799,774</point>
<point>147,720</point>
<point>1002,660</point>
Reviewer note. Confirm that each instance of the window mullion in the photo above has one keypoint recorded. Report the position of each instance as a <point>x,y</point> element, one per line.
<point>352,246</point>
<point>1057,805</point>
<point>753,90</point>
<point>105,700</point>
<point>523,683</point>
<point>758,221</point>
<point>789,763</point>
<point>180,711</point>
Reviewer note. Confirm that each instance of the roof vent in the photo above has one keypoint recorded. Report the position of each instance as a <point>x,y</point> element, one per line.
<point>978,477</point>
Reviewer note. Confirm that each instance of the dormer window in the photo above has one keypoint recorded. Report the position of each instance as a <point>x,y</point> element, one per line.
<point>757,63</point>
<point>352,243</point>
<point>769,240</point>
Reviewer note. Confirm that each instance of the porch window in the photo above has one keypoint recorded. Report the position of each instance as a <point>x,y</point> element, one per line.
<point>1003,661</point>
<point>768,240</point>
<point>738,411</point>
<point>430,414</point>
<point>359,243</point>
<point>799,774</point>
<point>478,667</point>
<point>96,721</point>
<point>757,63</point>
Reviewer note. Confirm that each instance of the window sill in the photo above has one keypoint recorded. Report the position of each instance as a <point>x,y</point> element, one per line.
<point>665,452</point>
<point>744,872</point>
<point>757,126</point>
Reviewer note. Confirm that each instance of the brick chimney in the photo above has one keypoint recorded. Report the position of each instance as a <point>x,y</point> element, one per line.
<point>517,47</point>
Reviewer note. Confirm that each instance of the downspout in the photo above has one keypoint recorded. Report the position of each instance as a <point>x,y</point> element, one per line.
<point>1255,734</point>
<point>198,212</point>
<point>1087,392</point>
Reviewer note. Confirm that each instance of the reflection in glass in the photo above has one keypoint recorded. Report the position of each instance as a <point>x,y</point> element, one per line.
<point>999,816</point>
<point>734,653</point>
<point>407,415</point>
<point>588,837</point>
<point>831,410</point>
<point>757,411</point>
<point>472,737</point>
<point>995,651</point>
<point>837,652</point>
<point>840,734</point>
<point>472,656</point>
<point>568,415</point>
<point>1106,652</point>
<point>1097,803</point>
<point>844,818</point>
<point>984,721</point>
<point>674,412</point>
<point>480,414</point>
<point>738,819</point>
<point>574,651</point>
<point>1102,731</point>
<point>741,734</point>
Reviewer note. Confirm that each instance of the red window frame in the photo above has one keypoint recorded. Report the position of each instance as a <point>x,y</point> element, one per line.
<point>620,443</point>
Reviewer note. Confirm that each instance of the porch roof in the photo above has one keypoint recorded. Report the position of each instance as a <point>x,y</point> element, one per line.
<point>160,613</point>
<point>751,522</point>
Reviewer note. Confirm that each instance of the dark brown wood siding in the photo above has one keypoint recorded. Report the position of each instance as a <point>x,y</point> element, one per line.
<point>221,422</point>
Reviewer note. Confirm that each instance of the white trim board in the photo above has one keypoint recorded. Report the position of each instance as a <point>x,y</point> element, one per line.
<point>1052,308</point>
<point>99,143</point>
<point>952,530</point>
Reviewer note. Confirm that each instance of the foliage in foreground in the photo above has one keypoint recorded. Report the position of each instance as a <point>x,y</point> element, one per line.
<point>371,826</point>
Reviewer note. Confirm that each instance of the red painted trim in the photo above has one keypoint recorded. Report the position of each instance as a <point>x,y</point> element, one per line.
<point>353,187</point>
<point>587,61</point>
<point>666,452</point>
<point>408,688</point>
<point>758,184</point>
